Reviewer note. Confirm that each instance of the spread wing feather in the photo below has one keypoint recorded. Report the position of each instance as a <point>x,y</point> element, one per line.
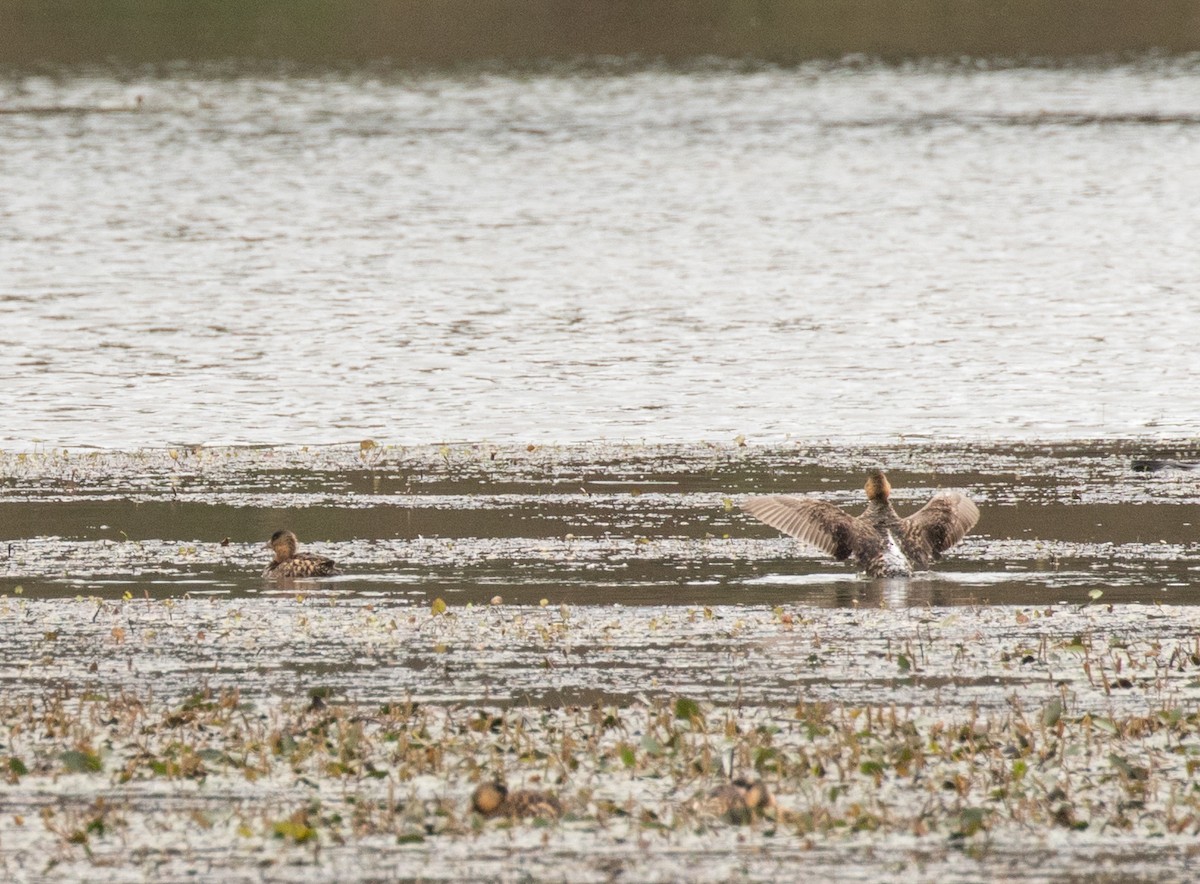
<point>816,522</point>
<point>943,522</point>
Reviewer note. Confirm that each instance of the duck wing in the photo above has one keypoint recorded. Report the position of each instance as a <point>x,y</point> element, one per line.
<point>816,522</point>
<point>942,522</point>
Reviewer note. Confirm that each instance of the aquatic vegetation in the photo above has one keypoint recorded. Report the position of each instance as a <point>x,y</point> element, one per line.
<point>1097,738</point>
<point>521,616</point>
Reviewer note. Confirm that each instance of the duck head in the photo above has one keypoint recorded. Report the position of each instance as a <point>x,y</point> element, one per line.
<point>284,544</point>
<point>489,798</point>
<point>877,486</point>
<point>755,794</point>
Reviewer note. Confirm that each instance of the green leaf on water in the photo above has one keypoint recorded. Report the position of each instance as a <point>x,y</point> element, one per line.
<point>651,745</point>
<point>871,768</point>
<point>1095,594</point>
<point>971,821</point>
<point>1133,771</point>
<point>766,758</point>
<point>1172,716</point>
<point>904,663</point>
<point>17,767</point>
<point>628,758</point>
<point>296,830</point>
<point>439,607</point>
<point>76,761</point>
<point>1052,713</point>
<point>687,710</point>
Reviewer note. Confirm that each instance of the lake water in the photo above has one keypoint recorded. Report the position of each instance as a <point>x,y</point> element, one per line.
<point>223,255</point>
<point>596,524</point>
<point>950,271</point>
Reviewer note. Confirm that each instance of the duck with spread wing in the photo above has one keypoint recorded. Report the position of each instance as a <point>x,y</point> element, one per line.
<point>880,542</point>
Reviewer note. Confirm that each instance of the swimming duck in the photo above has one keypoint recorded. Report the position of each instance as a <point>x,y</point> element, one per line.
<point>881,543</point>
<point>740,801</point>
<point>493,799</point>
<point>288,563</point>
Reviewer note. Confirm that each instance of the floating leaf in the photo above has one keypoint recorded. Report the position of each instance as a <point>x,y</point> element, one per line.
<point>439,607</point>
<point>1172,716</point>
<point>971,821</point>
<point>77,761</point>
<point>871,769</point>
<point>766,759</point>
<point>651,745</point>
<point>1052,713</point>
<point>687,710</point>
<point>296,830</point>
<point>1095,594</point>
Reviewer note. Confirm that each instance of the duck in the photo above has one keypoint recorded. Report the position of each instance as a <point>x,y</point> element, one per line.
<point>740,801</point>
<point>290,564</point>
<point>494,800</point>
<point>880,542</point>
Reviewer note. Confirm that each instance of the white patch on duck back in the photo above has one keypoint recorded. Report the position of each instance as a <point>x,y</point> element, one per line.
<point>892,561</point>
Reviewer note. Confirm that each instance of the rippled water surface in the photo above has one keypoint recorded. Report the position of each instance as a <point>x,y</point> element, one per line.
<point>588,524</point>
<point>217,256</point>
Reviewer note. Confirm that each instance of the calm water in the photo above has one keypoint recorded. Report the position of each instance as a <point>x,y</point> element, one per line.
<point>215,256</point>
<point>589,525</point>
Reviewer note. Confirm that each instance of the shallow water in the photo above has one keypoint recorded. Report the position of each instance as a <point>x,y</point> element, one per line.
<point>627,524</point>
<point>218,255</point>
<point>583,582</point>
